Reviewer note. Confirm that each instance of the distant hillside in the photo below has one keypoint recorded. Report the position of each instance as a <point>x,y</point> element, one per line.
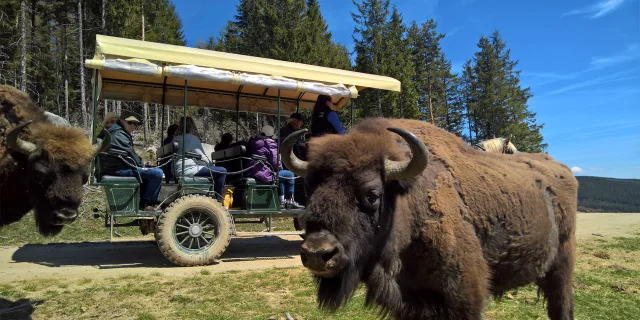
<point>598,194</point>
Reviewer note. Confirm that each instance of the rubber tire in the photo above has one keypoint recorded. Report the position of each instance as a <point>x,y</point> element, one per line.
<point>167,220</point>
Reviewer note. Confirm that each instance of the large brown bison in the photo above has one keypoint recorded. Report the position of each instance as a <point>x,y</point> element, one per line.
<point>43,170</point>
<point>432,226</point>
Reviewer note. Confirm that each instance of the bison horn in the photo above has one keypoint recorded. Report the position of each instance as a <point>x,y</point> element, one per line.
<point>297,166</point>
<point>102,146</point>
<point>17,144</point>
<point>400,170</point>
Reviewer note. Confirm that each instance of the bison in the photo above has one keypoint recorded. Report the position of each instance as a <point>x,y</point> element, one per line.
<point>432,226</point>
<point>43,170</point>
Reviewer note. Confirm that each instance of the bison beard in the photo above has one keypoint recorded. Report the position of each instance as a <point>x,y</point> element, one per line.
<point>465,226</point>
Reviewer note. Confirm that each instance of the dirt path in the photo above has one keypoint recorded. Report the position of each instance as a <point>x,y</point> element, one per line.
<point>607,225</point>
<point>103,259</point>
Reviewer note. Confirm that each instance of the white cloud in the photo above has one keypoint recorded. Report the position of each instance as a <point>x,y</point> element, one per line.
<point>596,81</point>
<point>576,170</point>
<point>631,53</point>
<point>599,9</point>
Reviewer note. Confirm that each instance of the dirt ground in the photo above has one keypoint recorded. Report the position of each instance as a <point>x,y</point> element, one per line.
<point>141,256</point>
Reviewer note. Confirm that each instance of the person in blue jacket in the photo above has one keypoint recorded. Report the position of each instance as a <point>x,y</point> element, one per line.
<point>324,120</point>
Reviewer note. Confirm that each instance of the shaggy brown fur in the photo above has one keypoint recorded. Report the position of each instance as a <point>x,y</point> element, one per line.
<point>438,245</point>
<point>48,180</point>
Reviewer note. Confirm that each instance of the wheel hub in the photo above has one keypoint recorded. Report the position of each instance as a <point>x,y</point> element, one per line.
<point>195,230</point>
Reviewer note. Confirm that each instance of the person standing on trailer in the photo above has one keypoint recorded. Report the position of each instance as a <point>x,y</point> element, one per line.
<point>324,120</point>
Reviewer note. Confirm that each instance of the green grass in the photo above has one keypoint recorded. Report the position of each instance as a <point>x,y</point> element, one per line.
<point>604,289</point>
<point>90,226</point>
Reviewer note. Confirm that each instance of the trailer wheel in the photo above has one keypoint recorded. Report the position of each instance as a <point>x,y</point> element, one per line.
<point>194,230</point>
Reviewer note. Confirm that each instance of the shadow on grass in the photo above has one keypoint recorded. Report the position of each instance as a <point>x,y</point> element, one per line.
<point>17,310</point>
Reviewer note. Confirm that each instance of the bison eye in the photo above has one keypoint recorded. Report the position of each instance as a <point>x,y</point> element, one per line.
<point>372,197</point>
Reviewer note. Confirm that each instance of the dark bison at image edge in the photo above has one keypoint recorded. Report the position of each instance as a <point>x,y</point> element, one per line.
<point>44,169</point>
<point>432,226</point>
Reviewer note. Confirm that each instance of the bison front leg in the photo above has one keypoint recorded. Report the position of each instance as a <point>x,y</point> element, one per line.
<point>557,283</point>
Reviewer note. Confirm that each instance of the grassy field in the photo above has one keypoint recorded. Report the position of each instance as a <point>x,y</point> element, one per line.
<point>90,226</point>
<point>607,283</point>
<point>607,286</point>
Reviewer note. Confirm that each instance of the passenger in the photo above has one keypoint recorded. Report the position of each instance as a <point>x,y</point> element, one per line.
<point>225,142</point>
<point>122,140</point>
<point>197,168</point>
<point>264,145</point>
<point>294,124</point>
<point>109,120</point>
<point>171,132</point>
<point>324,120</point>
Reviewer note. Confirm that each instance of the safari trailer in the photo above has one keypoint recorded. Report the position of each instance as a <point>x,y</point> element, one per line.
<point>190,226</point>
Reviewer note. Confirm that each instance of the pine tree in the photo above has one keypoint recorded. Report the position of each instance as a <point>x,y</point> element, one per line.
<point>398,65</point>
<point>498,105</point>
<point>370,23</point>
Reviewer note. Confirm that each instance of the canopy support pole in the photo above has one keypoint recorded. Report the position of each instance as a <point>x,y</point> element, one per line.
<point>277,151</point>
<point>93,123</point>
<point>184,124</point>
<point>237,114</point>
<point>164,90</point>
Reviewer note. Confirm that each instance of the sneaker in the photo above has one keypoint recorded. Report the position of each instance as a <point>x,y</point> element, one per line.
<point>294,205</point>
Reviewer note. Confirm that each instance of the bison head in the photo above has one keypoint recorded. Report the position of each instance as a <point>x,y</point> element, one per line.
<point>53,170</point>
<point>352,183</point>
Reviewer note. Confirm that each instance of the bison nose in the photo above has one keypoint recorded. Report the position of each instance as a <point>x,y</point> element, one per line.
<point>65,216</point>
<point>322,257</point>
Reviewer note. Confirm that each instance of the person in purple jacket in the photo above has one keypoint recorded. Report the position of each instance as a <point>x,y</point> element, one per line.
<point>264,145</point>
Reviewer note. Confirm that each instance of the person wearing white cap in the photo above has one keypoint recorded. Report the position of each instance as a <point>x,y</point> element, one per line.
<point>263,145</point>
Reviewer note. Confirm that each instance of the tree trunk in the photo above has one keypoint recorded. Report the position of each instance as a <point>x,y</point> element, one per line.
<point>34,57</point>
<point>103,14</point>
<point>65,71</point>
<point>145,124</point>
<point>57,61</point>
<point>157,122</point>
<point>83,102</point>
<point>106,107</point>
<point>119,107</point>
<point>446,104</point>
<point>23,46</point>
<point>431,106</point>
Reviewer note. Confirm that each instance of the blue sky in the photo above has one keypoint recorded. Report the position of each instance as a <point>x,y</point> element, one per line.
<point>581,59</point>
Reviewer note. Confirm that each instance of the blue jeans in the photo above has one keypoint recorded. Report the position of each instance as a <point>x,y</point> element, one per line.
<point>287,185</point>
<point>218,178</point>
<point>150,185</point>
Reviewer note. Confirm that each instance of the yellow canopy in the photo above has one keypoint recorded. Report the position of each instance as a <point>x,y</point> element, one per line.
<point>134,70</point>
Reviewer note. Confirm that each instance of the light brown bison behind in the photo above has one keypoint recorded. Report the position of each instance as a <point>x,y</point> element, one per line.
<point>43,164</point>
<point>435,231</point>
